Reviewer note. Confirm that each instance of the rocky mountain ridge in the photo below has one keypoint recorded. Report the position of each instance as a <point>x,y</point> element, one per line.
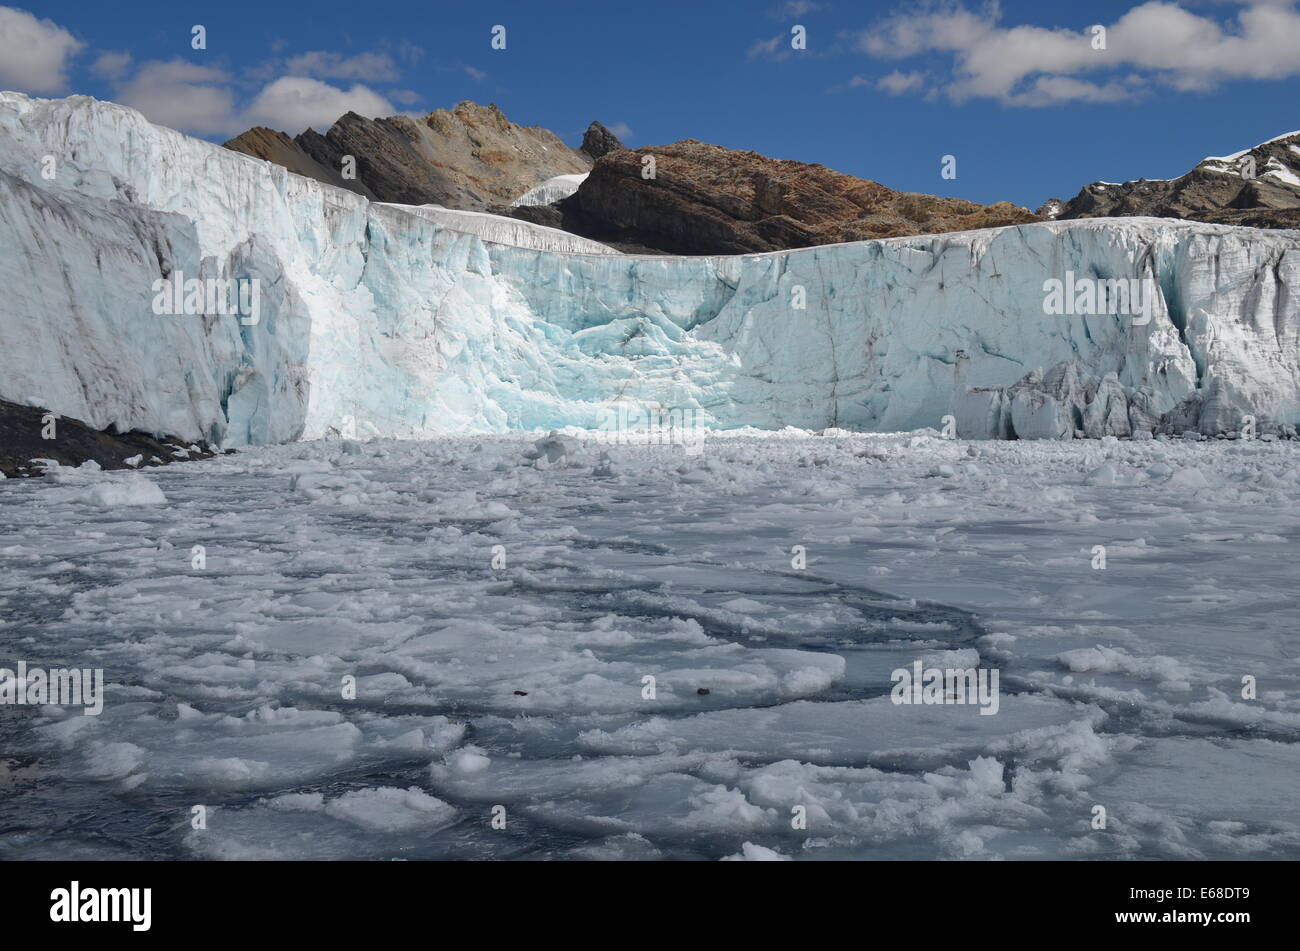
<point>1257,187</point>
<point>471,157</point>
<point>706,199</point>
<point>702,198</point>
<point>691,197</point>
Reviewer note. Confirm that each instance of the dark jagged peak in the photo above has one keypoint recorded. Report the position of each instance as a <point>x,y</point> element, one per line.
<point>598,141</point>
<point>273,146</point>
<point>1051,208</point>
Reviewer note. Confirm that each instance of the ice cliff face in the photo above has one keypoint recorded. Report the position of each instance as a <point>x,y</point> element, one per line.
<point>416,320</point>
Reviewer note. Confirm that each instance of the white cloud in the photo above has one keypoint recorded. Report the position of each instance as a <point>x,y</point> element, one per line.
<point>409,53</point>
<point>111,65</point>
<point>776,48</point>
<point>182,96</point>
<point>1046,90</point>
<point>368,67</point>
<point>34,53</point>
<point>621,129</point>
<point>895,83</point>
<point>201,100</point>
<point>475,74</point>
<point>1033,66</point>
<point>297,102</point>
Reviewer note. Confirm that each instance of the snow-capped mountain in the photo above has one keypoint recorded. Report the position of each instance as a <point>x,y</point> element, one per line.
<point>404,320</point>
<point>1259,187</point>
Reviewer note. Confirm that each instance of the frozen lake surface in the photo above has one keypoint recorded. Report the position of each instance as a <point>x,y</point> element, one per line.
<point>499,616</point>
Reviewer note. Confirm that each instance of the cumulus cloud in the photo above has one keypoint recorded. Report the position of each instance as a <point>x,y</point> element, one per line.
<point>182,96</point>
<point>205,100</point>
<point>34,54</point>
<point>298,102</point>
<point>1046,90</point>
<point>1155,42</point>
<point>111,65</point>
<point>202,100</point>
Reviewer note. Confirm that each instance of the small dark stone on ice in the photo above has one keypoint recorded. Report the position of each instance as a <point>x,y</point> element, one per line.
<point>521,693</point>
<point>703,691</point>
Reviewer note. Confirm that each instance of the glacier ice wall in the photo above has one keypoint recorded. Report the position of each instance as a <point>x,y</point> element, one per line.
<point>406,321</point>
<point>551,190</point>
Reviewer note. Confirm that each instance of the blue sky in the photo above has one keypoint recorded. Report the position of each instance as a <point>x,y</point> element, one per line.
<point>1015,91</point>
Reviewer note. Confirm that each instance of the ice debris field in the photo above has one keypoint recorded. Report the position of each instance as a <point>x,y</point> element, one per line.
<point>499,613</point>
<point>498,597</point>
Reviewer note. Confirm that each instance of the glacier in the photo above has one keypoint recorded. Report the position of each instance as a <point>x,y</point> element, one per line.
<point>413,321</point>
<point>551,190</point>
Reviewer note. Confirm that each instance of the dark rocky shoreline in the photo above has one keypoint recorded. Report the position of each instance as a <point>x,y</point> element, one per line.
<point>74,443</point>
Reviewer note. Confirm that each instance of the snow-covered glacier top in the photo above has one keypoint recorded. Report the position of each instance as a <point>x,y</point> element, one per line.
<point>407,321</point>
<point>495,229</point>
<point>551,190</point>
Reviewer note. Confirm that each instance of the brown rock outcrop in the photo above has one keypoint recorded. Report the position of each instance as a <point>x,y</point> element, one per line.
<point>705,199</point>
<point>471,157</point>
